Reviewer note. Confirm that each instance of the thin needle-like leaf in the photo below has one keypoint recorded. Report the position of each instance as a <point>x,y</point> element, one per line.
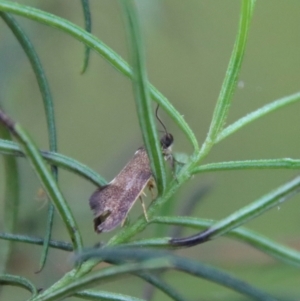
<point>46,178</point>
<point>105,296</point>
<point>7,279</point>
<point>11,202</point>
<point>240,217</point>
<point>49,111</point>
<point>61,245</point>
<point>256,240</point>
<point>280,163</point>
<point>39,73</point>
<point>269,108</point>
<point>229,84</point>
<point>12,149</point>
<point>142,95</point>
<point>88,27</point>
<point>155,281</point>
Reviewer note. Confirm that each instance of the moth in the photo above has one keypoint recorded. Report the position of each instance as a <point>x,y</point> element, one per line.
<point>111,203</point>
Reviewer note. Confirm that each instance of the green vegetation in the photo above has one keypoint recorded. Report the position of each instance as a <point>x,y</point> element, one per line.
<point>125,251</point>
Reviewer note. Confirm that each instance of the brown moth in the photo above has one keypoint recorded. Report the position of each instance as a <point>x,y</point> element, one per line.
<point>111,203</point>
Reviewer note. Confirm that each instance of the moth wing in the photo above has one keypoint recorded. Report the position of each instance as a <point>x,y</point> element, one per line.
<point>112,203</point>
<point>103,204</point>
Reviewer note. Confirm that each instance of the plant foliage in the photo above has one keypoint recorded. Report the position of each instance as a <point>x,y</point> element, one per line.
<point>124,251</point>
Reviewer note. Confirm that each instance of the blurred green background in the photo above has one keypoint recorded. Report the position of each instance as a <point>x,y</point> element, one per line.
<point>188,45</point>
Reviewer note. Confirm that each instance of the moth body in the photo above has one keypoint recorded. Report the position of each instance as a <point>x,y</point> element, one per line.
<point>112,202</point>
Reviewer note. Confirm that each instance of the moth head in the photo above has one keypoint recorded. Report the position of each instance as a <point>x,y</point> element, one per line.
<point>166,141</point>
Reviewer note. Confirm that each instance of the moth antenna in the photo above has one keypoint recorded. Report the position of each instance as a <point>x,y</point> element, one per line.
<point>167,140</point>
<point>156,113</point>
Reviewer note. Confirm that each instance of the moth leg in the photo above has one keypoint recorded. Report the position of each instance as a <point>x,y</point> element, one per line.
<point>125,221</point>
<point>173,163</point>
<point>151,186</point>
<point>176,166</point>
<point>144,209</point>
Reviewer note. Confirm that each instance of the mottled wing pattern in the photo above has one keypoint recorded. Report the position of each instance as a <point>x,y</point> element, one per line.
<point>112,203</point>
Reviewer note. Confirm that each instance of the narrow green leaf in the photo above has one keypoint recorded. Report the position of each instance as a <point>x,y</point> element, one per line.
<point>39,74</point>
<point>61,245</point>
<point>240,217</point>
<point>159,283</point>
<point>50,186</point>
<point>269,108</point>
<point>48,234</point>
<point>103,274</point>
<point>88,27</point>
<point>11,201</point>
<point>13,280</point>
<point>102,296</point>
<point>256,240</point>
<point>168,260</point>
<point>108,54</point>
<point>49,110</point>
<point>12,149</point>
<point>46,179</point>
<point>280,163</point>
<point>158,242</point>
<point>155,281</point>
<point>229,84</point>
<point>142,95</point>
